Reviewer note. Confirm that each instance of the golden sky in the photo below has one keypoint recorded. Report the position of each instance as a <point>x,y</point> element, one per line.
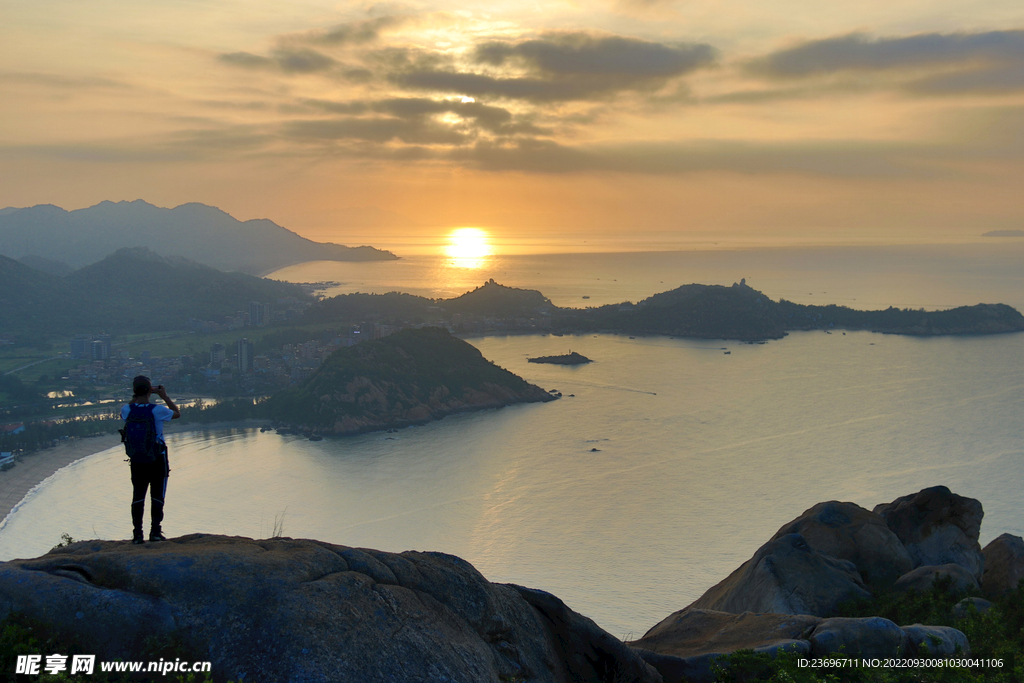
<point>870,120</point>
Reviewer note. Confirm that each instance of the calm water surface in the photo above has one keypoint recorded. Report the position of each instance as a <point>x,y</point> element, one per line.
<point>668,468</point>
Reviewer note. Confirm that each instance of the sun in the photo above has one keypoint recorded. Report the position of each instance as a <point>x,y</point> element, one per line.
<point>468,247</point>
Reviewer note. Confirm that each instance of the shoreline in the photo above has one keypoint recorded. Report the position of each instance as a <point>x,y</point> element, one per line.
<point>36,467</point>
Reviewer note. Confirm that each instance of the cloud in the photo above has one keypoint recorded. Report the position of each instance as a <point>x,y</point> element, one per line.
<point>858,52</point>
<point>409,120</point>
<point>302,60</point>
<point>356,32</point>
<point>289,60</point>
<point>379,130</point>
<point>556,68</point>
<point>356,107</point>
<point>581,54</point>
<point>246,60</point>
<point>479,85</point>
<point>493,119</point>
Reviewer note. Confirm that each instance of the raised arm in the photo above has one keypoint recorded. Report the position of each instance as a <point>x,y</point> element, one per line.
<point>162,393</point>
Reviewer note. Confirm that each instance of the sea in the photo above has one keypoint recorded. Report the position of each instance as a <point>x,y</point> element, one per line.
<point>666,463</point>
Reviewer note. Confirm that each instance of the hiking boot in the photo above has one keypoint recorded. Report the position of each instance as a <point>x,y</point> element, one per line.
<point>137,537</point>
<point>156,535</point>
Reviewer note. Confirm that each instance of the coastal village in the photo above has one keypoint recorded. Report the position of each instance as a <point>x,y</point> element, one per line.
<point>98,367</point>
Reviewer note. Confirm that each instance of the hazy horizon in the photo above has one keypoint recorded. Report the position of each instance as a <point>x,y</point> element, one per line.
<point>405,238</point>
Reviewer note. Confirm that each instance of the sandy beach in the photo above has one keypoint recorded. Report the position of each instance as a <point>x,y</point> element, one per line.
<point>33,468</point>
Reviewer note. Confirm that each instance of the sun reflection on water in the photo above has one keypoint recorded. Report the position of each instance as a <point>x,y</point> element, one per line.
<point>468,248</point>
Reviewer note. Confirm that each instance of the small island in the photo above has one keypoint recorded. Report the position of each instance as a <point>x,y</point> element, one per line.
<point>408,378</point>
<point>571,358</point>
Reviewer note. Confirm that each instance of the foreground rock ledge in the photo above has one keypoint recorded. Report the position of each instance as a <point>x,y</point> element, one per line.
<point>307,611</point>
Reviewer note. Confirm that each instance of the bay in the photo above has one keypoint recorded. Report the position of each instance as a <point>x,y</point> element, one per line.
<point>667,468</point>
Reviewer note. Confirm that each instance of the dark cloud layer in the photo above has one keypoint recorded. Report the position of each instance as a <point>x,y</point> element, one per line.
<point>610,56</point>
<point>409,120</point>
<point>490,118</point>
<point>859,52</point>
<point>563,67</point>
<point>479,85</point>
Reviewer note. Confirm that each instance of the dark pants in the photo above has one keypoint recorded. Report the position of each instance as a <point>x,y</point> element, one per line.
<point>152,476</point>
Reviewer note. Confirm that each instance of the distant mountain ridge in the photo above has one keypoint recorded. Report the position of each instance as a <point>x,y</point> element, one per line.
<point>132,290</point>
<point>200,233</point>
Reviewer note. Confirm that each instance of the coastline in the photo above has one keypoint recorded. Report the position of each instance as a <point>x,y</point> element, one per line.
<point>34,468</point>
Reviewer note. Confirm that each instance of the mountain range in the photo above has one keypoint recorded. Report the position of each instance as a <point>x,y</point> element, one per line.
<point>132,290</point>
<point>200,233</point>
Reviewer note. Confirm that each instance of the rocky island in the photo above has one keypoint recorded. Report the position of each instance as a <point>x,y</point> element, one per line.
<point>698,311</point>
<point>408,378</point>
<point>285,609</point>
<point>571,358</point>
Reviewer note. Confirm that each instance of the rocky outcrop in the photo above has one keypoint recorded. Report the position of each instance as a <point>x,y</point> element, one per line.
<point>963,609</point>
<point>937,527</point>
<point>923,578</point>
<point>1004,565</point>
<point>300,610</point>
<point>693,632</point>
<point>589,653</point>
<point>934,641</point>
<point>785,596</point>
<point>847,531</point>
<point>686,646</point>
<point>786,576</point>
<point>870,637</point>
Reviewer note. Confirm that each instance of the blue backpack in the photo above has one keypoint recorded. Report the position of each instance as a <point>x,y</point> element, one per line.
<point>139,435</point>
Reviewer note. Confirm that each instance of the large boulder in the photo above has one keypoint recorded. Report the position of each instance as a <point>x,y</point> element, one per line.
<point>686,646</point>
<point>964,608</point>
<point>937,527</point>
<point>1004,565</point>
<point>870,637</point>
<point>786,576</point>
<point>691,632</point>
<point>922,579</point>
<point>935,641</point>
<point>300,610</point>
<point>849,532</point>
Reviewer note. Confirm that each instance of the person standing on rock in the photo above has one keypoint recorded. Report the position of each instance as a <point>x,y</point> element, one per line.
<point>143,438</point>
